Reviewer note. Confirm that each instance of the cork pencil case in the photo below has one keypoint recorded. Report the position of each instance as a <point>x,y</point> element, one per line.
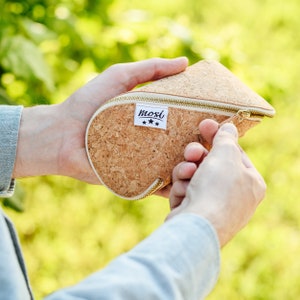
<point>134,140</point>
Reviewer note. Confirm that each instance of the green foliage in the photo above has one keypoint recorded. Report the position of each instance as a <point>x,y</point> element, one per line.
<point>48,49</point>
<point>22,58</point>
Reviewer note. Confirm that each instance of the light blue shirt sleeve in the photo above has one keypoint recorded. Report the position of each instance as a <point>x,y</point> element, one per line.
<point>14,283</point>
<point>9,128</point>
<point>180,261</point>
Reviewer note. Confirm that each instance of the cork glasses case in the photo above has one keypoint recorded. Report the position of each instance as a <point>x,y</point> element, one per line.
<point>134,140</point>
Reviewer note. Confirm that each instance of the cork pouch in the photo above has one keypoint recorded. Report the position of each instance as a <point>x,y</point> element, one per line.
<point>134,140</point>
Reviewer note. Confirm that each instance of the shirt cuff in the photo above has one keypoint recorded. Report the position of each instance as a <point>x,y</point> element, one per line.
<point>10,117</point>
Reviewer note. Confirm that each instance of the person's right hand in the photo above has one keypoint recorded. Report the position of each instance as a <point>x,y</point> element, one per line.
<point>225,189</point>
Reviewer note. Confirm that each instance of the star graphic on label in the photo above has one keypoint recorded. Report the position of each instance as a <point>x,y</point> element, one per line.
<point>144,122</point>
<point>150,121</point>
<point>157,124</point>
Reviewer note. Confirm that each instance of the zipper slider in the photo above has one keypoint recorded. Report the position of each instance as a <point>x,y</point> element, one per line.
<point>238,117</point>
<point>243,114</point>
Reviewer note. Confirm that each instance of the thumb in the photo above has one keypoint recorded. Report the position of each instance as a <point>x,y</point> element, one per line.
<point>228,131</point>
<point>225,139</point>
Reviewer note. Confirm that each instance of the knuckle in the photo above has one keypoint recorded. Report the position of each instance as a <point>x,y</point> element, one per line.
<point>263,189</point>
<point>116,68</point>
<point>226,142</point>
<point>259,188</point>
<point>177,189</point>
<point>227,149</point>
<point>178,171</point>
<point>175,173</point>
<point>121,73</point>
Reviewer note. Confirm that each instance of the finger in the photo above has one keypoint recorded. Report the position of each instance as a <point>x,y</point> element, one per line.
<point>253,171</point>
<point>178,193</point>
<point>208,128</point>
<point>153,69</point>
<point>195,152</point>
<point>246,160</point>
<point>226,132</point>
<point>184,171</point>
<point>225,143</point>
<point>121,78</point>
<point>125,76</point>
<point>164,192</point>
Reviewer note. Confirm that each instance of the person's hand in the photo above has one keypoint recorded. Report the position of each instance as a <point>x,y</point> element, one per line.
<point>225,188</point>
<point>194,154</point>
<point>52,138</point>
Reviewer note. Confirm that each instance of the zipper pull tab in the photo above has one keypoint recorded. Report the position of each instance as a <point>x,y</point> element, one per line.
<point>235,119</point>
<point>238,117</point>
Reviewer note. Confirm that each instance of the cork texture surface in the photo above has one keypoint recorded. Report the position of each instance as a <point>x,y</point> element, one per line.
<point>209,80</point>
<point>129,158</point>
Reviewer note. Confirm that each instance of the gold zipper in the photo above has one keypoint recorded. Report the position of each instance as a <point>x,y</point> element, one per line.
<point>239,116</point>
<point>183,102</point>
<point>156,185</point>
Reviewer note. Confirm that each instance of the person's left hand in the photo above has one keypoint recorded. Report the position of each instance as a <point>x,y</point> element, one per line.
<point>52,138</point>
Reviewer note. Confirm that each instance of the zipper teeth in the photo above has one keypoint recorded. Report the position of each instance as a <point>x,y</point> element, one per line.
<point>185,102</point>
<point>153,188</point>
<point>157,184</point>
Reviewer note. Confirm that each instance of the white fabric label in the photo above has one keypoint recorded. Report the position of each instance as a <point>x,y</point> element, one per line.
<point>154,116</point>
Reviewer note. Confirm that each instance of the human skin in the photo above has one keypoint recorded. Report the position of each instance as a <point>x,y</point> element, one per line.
<point>52,138</point>
<point>52,142</point>
<point>221,185</point>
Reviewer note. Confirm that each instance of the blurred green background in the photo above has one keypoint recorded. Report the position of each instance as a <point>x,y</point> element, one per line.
<point>48,49</point>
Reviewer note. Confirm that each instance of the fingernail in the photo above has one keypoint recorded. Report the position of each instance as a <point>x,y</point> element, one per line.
<point>230,128</point>
<point>182,58</point>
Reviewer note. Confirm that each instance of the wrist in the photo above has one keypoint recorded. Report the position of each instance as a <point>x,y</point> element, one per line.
<point>40,137</point>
